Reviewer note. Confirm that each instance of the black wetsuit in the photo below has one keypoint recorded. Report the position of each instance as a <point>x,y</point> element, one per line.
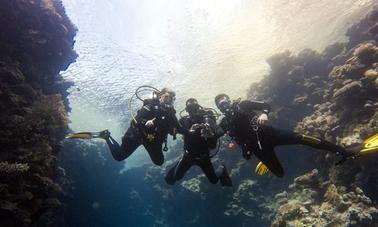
<point>196,148</point>
<point>240,123</point>
<point>139,134</point>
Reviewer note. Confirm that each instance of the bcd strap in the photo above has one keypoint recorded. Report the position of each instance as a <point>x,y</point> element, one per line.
<point>165,149</point>
<point>255,128</point>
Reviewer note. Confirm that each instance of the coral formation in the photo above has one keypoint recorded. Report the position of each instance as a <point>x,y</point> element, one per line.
<point>349,114</point>
<point>311,201</point>
<point>35,45</point>
<point>7,168</point>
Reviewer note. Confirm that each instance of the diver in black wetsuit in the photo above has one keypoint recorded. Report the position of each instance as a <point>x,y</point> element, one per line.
<point>200,133</point>
<point>150,128</point>
<point>248,129</point>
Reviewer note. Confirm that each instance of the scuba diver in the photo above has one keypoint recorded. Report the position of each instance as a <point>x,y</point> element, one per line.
<point>249,131</point>
<point>200,133</point>
<point>150,128</point>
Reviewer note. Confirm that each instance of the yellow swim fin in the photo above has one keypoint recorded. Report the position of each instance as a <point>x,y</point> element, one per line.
<point>261,169</point>
<point>88,135</point>
<point>79,135</point>
<point>369,146</point>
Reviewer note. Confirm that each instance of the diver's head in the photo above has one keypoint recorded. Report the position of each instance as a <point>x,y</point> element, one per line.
<point>223,102</point>
<point>167,97</point>
<point>192,106</point>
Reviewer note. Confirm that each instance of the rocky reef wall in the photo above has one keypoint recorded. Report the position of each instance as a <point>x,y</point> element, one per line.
<point>36,43</point>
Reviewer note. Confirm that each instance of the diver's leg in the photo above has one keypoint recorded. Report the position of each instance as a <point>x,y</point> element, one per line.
<point>155,151</point>
<point>269,158</point>
<point>208,169</point>
<point>224,177</point>
<point>170,176</point>
<point>182,167</point>
<point>282,137</point>
<point>129,144</point>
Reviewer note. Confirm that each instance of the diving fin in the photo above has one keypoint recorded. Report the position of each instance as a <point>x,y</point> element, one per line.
<point>79,135</point>
<point>261,169</point>
<point>369,146</point>
<point>88,135</point>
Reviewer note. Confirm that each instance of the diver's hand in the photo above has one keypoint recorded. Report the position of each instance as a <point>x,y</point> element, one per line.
<point>206,131</point>
<point>194,128</point>
<point>150,123</point>
<point>262,119</point>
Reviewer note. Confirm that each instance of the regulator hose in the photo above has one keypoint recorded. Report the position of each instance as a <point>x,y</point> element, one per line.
<point>136,94</point>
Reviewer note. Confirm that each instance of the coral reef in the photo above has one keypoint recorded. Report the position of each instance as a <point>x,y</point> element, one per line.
<point>35,45</point>
<point>349,113</point>
<point>311,201</point>
<point>294,83</point>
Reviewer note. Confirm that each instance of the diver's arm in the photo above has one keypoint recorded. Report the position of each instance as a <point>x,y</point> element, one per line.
<point>217,130</point>
<point>248,105</point>
<point>223,125</point>
<point>174,125</point>
<point>143,115</point>
<point>181,126</point>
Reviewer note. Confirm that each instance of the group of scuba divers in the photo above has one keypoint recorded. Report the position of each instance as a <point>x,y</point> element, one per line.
<point>243,121</point>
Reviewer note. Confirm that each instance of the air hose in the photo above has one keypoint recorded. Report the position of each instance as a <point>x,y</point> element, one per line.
<point>136,94</point>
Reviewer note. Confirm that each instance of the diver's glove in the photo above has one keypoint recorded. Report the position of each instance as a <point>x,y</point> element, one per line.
<point>206,131</point>
<point>195,128</point>
<point>150,123</point>
<point>262,119</point>
<point>105,134</point>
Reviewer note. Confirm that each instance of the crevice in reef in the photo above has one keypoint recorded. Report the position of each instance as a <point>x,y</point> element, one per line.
<point>36,43</point>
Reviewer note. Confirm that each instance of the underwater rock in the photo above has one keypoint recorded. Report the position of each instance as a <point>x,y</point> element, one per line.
<point>367,53</point>
<point>365,30</point>
<point>35,45</point>
<point>348,89</point>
